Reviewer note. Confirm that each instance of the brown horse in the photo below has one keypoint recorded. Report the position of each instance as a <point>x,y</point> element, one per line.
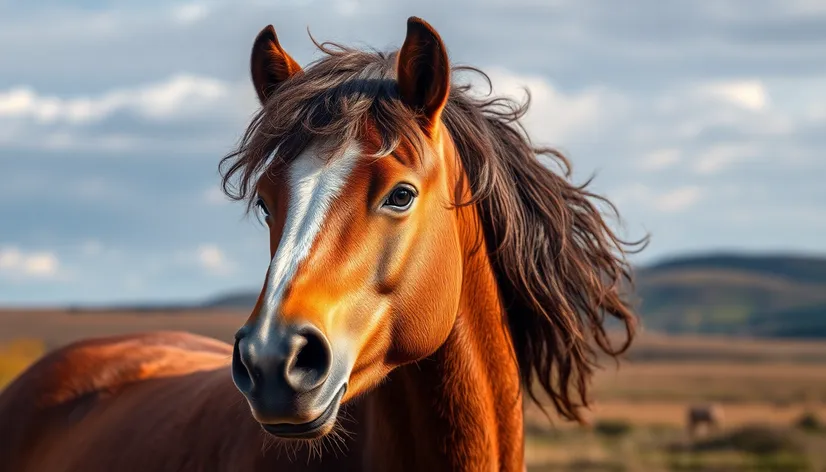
<point>425,269</point>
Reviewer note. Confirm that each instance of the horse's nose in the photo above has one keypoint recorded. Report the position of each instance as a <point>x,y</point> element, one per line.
<point>296,358</point>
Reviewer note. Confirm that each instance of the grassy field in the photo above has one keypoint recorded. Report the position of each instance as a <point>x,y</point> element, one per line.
<point>638,421</point>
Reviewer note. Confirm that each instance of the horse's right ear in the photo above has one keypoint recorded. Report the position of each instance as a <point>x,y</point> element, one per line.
<point>270,64</point>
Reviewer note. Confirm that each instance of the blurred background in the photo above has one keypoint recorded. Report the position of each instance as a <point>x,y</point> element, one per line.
<point>705,122</point>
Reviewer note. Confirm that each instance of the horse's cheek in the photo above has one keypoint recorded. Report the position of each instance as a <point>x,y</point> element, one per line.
<point>426,306</point>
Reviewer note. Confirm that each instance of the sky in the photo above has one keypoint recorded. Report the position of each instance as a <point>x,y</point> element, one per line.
<point>705,122</point>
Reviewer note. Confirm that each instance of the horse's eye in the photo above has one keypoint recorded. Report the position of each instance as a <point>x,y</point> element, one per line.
<point>400,198</point>
<point>262,207</point>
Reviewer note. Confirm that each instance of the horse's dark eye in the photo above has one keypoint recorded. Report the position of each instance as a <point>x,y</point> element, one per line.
<point>400,198</point>
<point>262,207</point>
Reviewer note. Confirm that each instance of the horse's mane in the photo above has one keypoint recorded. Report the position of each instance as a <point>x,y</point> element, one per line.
<point>559,266</point>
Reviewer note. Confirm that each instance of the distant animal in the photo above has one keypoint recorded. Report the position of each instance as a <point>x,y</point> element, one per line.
<point>709,417</point>
<point>426,270</point>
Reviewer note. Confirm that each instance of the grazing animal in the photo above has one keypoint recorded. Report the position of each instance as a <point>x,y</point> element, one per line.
<point>426,270</point>
<point>709,416</point>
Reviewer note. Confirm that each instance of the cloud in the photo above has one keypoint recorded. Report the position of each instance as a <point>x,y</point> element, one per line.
<point>19,264</point>
<point>182,110</point>
<point>178,95</point>
<point>659,159</point>
<point>717,158</point>
<point>215,196</point>
<point>676,200</point>
<point>190,12</point>
<point>554,115</point>
<point>749,94</point>
<point>211,258</point>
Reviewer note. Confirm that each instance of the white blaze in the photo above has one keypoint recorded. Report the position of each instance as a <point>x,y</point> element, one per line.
<point>313,185</point>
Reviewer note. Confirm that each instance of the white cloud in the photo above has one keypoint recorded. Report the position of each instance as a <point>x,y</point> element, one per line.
<point>177,95</point>
<point>184,111</point>
<point>553,115</point>
<point>190,12</point>
<point>668,201</point>
<point>687,112</point>
<point>10,258</point>
<point>40,264</point>
<point>212,258</point>
<point>717,158</point>
<point>16,263</point>
<point>125,20</point>
<point>748,94</point>
<point>678,199</point>
<point>215,196</point>
<point>659,159</point>
<point>347,7</point>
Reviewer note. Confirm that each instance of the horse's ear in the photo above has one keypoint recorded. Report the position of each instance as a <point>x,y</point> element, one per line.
<point>269,63</point>
<point>423,72</point>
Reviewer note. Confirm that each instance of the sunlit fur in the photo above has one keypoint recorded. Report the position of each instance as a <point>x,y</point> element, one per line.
<point>496,281</point>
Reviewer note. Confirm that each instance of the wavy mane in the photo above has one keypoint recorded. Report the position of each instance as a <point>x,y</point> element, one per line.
<point>559,266</point>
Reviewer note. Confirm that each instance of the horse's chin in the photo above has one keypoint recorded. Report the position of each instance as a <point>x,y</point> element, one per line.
<point>312,429</point>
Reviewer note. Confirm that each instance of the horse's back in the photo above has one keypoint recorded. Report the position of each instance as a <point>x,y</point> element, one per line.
<point>61,406</point>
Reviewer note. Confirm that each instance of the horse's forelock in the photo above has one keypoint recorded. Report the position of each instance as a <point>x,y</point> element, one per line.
<point>333,100</point>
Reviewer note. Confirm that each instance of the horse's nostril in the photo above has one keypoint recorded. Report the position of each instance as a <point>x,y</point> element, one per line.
<point>312,355</point>
<point>310,359</point>
<point>240,371</point>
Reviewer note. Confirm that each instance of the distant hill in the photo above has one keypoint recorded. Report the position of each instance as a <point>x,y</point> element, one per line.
<point>735,294</point>
<point>806,269</point>
<point>781,296</point>
<point>244,300</point>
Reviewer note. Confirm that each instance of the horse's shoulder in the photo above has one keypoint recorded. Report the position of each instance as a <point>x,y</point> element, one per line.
<point>106,364</point>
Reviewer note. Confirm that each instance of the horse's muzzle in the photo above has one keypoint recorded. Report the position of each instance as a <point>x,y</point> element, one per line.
<point>289,378</point>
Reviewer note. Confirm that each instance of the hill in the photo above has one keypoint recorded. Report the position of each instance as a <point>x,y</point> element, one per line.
<point>776,295</point>
<point>243,300</point>
<point>805,269</point>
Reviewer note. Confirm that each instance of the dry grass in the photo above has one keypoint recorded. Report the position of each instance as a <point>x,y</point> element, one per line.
<point>660,414</point>
<point>16,355</point>
<point>60,327</point>
<point>768,385</point>
<point>731,382</point>
<point>654,347</point>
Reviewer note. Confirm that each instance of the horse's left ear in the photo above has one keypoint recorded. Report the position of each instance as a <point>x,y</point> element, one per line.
<point>423,72</point>
<point>269,63</point>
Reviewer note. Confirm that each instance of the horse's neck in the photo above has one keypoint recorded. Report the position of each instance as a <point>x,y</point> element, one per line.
<point>461,408</point>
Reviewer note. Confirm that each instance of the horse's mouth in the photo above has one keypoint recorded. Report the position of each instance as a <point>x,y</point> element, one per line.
<point>312,429</point>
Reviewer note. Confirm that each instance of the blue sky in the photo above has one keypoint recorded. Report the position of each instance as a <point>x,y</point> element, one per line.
<point>704,121</point>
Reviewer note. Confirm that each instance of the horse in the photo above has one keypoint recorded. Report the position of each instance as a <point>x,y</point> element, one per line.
<point>708,415</point>
<point>427,275</point>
